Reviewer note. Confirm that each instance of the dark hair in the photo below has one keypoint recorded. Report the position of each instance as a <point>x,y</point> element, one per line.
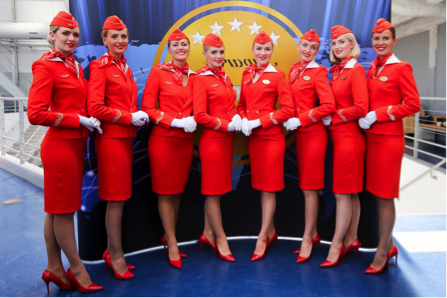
<point>169,42</point>
<point>392,30</point>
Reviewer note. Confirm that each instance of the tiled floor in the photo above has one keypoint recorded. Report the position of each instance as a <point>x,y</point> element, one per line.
<point>23,259</point>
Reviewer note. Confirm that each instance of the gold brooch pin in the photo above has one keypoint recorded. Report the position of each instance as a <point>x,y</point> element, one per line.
<point>307,78</point>
<point>343,77</point>
<point>383,79</point>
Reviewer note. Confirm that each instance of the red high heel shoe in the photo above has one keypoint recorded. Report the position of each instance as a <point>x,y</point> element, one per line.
<point>48,276</point>
<point>126,275</point>
<point>316,239</point>
<point>393,253</point>
<point>165,244</point>
<point>274,237</point>
<point>354,245</point>
<point>228,258</point>
<point>328,263</point>
<point>90,288</point>
<point>175,263</point>
<point>256,257</point>
<point>203,239</point>
<point>104,256</point>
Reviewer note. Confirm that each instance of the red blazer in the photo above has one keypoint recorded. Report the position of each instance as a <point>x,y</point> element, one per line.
<point>306,89</point>
<point>56,98</point>
<point>258,100</point>
<point>351,97</point>
<point>214,104</point>
<point>112,98</point>
<point>174,102</point>
<point>393,95</point>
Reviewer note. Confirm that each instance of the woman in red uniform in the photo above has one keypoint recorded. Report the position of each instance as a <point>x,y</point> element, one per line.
<point>261,85</point>
<point>171,144</point>
<point>112,98</point>
<point>351,103</point>
<point>393,95</point>
<point>308,81</point>
<point>214,108</point>
<point>57,98</point>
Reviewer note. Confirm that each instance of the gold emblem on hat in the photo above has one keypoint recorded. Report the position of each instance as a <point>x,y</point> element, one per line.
<point>343,77</point>
<point>383,79</point>
<point>307,78</point>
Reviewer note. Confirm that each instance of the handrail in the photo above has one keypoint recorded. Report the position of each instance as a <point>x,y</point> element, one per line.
<point>20,76</point>
<point>32,136</point>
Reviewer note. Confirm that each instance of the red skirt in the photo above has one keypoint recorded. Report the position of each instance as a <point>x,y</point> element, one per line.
<point>216,156</point>
<point>115,158</point>
<point>348,151</point>
<point>310,153</point>
<point>383,164</point>
<point>170,161</point>
<point>267,161</point>
<point>63,166</point>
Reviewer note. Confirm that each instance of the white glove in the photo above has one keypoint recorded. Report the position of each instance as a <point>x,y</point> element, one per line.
<point>327,120</point>
<point>90,123</point>
<point>292,123</point>
<point>139,118</point>
<point>188,124</point>
<point>368,120</point>
<point>247,126</point>
<point>237,122</point>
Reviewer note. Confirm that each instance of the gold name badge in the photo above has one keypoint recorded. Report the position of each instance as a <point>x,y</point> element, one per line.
<point>343,77</point>
<point>383,79</point>
<point>266,82</point>
<point>307,78</point>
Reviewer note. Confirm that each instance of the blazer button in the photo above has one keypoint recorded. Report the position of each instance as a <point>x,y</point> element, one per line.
<point>179,113</point>
<point>248,111</point>
<point>257,112</point>
<point>83,110</point>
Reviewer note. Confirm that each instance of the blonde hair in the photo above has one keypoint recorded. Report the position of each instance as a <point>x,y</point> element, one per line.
<point>52,29</point>
<point>355,51</point>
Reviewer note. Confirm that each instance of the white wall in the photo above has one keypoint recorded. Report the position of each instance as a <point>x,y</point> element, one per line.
<point>415,50</point>
<point>32,10</point>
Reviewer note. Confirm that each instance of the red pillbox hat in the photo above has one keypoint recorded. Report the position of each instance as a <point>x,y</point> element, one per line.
<point>64,19</point>
<point>339,30</point>
<point>177,34</point>
<point>262,38</point>
<point>213,40</point>
<point>113,23</point>
<point>382,25</point>
<point>311,36</point>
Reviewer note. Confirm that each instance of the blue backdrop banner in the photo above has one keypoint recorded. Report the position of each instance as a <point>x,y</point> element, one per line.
<point>149,23</point>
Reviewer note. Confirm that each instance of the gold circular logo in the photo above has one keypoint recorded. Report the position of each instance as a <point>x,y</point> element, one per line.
<point>237,30</point>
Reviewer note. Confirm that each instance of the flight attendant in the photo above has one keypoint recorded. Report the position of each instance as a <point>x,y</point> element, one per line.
<point>261,85</point>
<point>214,108</point>
<point>351,103</point>
<point>57,98</point>
<point>112,98</point>
<point>393,96</point>
<point>308,82</point>
<point>171,144</point>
